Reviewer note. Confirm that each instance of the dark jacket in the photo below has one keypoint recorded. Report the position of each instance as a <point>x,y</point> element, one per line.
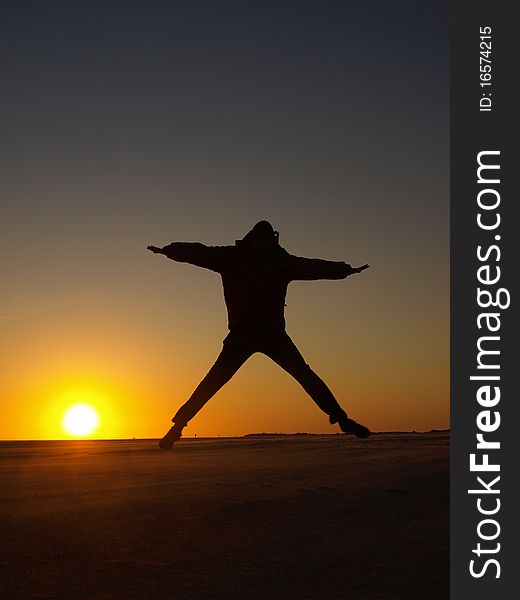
<point>255,283</point>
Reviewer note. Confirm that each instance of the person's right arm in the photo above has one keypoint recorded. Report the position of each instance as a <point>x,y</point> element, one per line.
<point>195,253</point>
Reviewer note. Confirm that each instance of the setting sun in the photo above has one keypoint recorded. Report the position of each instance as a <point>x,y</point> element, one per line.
<point>80,419</point>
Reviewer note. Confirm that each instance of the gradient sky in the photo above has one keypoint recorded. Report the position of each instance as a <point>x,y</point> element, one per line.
<point>134,123</point>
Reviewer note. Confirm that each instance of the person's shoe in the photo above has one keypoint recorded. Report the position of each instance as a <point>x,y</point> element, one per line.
<point>171,437</point>
<point>350,426</point>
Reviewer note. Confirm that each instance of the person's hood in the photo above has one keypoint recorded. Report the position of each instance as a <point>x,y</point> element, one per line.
<point>262,230</point>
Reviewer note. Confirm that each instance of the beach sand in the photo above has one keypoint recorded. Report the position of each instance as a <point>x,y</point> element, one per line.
<point>237,518</point>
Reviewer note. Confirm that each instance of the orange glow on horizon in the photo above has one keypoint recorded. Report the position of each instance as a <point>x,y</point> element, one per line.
<point>137,372</point>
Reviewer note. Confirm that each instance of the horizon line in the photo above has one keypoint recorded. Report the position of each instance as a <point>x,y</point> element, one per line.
<point>217,437</point>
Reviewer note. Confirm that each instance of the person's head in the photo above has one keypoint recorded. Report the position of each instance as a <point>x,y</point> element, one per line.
<point>262,236</point>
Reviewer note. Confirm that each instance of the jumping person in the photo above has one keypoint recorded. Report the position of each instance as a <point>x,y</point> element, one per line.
<point>255,273</point>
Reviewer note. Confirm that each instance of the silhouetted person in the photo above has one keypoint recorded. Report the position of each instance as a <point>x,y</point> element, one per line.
<point>255,273</point>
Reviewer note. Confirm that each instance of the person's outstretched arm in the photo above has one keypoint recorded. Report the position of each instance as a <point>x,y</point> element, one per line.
<point>195,253</point>
<point>316,268</point>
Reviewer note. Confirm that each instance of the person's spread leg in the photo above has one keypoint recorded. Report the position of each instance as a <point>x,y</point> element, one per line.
<point>235,351</point>
<point>285,353</point>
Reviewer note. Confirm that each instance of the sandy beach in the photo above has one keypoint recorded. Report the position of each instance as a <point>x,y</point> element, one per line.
<point>269,517</point>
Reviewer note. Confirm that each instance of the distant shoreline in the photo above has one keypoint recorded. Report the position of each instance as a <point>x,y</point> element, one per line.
<point>232,437</point>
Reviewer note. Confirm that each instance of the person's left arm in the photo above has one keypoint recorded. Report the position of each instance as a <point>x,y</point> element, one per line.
<point>308,269</point>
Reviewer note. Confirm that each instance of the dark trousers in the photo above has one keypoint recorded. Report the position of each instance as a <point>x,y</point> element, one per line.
<point>237,347</point>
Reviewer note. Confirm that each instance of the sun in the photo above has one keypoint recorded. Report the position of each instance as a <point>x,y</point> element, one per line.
<point>80,420</point>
